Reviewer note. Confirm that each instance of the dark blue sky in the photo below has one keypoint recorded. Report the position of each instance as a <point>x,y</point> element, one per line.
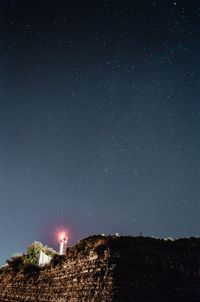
<point>99,119</point>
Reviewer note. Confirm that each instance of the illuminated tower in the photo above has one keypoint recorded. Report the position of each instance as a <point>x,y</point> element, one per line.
<point>63,239</point>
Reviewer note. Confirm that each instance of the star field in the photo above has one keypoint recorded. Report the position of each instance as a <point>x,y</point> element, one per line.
<point>99,119</point>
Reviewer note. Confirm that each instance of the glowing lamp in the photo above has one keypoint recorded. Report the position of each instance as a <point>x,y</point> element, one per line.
<point>63,239</point>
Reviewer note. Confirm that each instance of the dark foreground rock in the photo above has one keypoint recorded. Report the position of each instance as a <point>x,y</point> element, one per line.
<point>111,269</point>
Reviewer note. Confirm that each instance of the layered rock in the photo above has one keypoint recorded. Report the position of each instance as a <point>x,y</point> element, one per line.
<point>112,268</point>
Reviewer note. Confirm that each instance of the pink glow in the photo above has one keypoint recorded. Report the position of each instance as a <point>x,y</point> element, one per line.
<point>62,236</point>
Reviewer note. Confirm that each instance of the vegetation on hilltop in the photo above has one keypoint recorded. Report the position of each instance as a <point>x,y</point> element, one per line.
<point>28,262</point>
<point>145,253</point>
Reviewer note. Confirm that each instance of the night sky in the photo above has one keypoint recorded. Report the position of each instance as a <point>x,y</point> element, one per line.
<point>99,119</point>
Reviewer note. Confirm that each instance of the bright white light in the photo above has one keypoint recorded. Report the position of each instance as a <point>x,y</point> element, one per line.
<point>62,237</point>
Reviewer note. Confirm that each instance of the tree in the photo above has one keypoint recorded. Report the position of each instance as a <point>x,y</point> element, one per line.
<point>28,262</point>
<point>32,254</point>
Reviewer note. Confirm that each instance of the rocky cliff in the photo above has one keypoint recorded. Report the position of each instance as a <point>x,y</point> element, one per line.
<point>111,269</point>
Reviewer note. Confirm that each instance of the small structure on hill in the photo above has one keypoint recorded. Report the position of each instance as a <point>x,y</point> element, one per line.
<point>43,259</point>
<point>63,239</point>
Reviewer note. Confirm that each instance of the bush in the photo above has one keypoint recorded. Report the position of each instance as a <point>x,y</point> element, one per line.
<point>30,269</point>
<point>57,259</point>
<point>16,263</point>
<point>28,263</point>
<point>33,252</point>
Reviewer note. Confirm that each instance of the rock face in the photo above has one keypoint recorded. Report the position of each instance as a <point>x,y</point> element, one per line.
<point>105,269</point>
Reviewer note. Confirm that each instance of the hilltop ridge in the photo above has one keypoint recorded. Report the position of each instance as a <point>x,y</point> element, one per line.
<point>112,268</point>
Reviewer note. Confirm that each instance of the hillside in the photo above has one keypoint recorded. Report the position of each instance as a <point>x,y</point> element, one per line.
<point>111,268</point>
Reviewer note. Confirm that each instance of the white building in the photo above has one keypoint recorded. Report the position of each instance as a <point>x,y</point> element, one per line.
<point>43,259</point>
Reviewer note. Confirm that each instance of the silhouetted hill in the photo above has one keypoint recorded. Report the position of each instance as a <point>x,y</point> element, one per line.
<point>111,268</point>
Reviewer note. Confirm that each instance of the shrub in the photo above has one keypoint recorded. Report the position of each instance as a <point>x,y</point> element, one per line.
<point>30,269</point>
<point>28,263</point>
<point>57,259</point>
<point>33,252</point>
<point>16,263</point>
